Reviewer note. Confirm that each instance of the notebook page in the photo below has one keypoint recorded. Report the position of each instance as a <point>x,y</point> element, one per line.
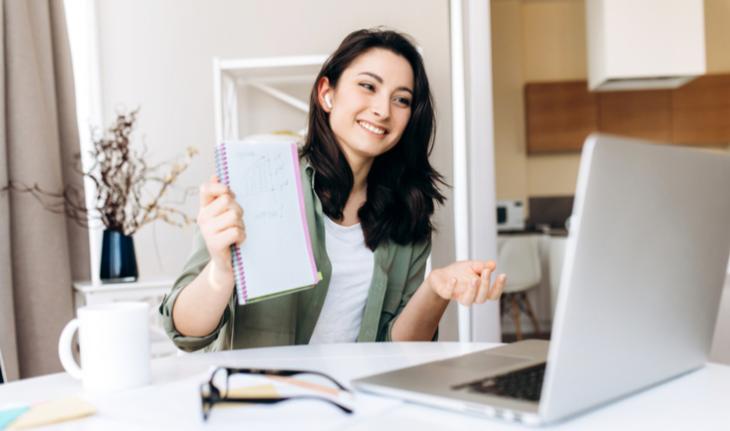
<point>276,256</point>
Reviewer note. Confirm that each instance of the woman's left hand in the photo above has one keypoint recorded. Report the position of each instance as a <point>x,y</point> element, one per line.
<point>467,282</point>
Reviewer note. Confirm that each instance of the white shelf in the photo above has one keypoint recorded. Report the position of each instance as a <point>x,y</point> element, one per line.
<point>237,81</point>
<point>269,67</point>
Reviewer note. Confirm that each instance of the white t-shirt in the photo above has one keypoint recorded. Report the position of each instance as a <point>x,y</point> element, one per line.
<point>352,273</point>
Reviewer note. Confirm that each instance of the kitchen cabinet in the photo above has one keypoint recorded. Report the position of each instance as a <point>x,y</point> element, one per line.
<point>559,115</point>
<point>701,111</point>
<point>640,114</point>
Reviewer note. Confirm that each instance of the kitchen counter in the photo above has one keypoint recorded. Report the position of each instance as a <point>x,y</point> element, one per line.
<point>549,232</point>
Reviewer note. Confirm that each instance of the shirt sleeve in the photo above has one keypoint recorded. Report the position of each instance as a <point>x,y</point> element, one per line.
<point>414,279</point>
<point>193,267</point>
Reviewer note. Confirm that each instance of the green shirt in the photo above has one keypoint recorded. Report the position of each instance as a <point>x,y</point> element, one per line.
<point>290,319</point>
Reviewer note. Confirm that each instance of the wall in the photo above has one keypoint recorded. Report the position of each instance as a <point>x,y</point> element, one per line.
<point>544,40</point>
<point>158,55</point>
<point>507,73</point>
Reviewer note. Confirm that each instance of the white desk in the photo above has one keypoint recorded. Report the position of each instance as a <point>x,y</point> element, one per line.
<point>697,401</point>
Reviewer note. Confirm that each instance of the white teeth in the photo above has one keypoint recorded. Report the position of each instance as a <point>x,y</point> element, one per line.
<point>371,128</point>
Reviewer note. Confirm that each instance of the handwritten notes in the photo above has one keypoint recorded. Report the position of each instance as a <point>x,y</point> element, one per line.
<point>276,257</point>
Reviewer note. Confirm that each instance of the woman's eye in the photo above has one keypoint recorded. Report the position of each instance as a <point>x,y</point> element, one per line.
<point>367,86</point>
<point>404,101</point>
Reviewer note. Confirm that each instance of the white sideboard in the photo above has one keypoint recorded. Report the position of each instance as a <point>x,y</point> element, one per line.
<point>149,291</point>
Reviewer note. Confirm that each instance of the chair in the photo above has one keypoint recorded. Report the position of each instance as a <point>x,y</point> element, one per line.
<point>519,258</point>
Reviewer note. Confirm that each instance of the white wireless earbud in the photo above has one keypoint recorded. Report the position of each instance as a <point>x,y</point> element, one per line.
<point>328,101</point>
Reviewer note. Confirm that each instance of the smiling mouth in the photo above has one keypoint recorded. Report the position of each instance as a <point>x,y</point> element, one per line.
<point>379,131</point>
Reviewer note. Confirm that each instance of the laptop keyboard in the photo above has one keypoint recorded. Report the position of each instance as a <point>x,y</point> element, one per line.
<point>523,384</point>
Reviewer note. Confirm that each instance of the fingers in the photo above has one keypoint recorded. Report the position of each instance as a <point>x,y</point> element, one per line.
<point>235,235</point>
<point>220,219</point>
<point>471,288</point>
<point>478,266</point>
<point>468,282</point>
<point>211,190</point>
<point>463,289</point>
<point>230,218</point>
<point>484,291</point>
<point>477,290</point>
<point>480,289</point>
<point>228,237</point>
<point>220,205</point>
<point>496,291</point>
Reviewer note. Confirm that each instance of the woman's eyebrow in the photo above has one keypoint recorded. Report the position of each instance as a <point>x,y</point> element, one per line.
<point>380,80</point>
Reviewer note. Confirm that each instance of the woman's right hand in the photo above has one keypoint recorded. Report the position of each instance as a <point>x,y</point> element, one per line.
<point>220,220</point>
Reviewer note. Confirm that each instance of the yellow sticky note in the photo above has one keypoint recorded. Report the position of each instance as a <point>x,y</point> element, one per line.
<point>257,391</point>
<point>51,412</point>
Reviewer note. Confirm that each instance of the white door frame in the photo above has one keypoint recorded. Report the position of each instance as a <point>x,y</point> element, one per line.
<point>473,146</point>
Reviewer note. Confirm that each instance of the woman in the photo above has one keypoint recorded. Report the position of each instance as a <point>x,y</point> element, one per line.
<point>371,196</point>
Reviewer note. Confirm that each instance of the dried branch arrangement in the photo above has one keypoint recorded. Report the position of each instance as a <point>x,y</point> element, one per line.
<point>129,192</point>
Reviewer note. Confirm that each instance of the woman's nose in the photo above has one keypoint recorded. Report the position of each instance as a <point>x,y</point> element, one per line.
<point>381,107</point>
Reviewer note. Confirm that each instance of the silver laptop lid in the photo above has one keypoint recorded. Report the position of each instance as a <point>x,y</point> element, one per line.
<point>643,272</point>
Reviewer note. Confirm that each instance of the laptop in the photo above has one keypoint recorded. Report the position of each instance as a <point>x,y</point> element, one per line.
<point>645,263</point>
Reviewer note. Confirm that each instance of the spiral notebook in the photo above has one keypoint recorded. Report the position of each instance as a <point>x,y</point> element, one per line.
<point>276,258</point>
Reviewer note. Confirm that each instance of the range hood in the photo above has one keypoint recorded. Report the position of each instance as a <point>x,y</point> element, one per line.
<point>644,44</point>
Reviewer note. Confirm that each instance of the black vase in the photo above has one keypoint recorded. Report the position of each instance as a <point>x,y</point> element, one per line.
<point>118,262</point>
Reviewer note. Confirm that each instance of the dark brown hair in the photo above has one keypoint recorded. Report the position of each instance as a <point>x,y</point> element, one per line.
<point>401,185</point>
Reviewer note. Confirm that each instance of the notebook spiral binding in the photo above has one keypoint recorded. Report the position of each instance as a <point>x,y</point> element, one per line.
<point>221,167</point>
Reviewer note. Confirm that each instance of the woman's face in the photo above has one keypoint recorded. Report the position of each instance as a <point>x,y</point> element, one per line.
<point>371,105</point>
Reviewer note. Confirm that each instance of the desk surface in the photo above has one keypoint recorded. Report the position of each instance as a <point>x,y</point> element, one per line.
<point>698,400</point>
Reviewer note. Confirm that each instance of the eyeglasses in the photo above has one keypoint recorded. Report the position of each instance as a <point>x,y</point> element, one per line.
<point>210,394</point>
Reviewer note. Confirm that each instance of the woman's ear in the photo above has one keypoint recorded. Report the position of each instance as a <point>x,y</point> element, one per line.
<point>324,94</point>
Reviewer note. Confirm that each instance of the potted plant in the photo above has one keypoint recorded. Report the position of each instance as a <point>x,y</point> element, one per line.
<point>128,195</point>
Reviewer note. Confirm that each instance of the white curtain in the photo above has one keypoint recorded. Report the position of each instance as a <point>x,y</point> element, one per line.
<point>40,252</point>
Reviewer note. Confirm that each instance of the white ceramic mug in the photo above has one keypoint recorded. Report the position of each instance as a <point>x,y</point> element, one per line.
<point>115,346</point>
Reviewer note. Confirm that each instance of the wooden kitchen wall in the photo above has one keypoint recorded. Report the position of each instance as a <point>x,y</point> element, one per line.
<point>559,115</point>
